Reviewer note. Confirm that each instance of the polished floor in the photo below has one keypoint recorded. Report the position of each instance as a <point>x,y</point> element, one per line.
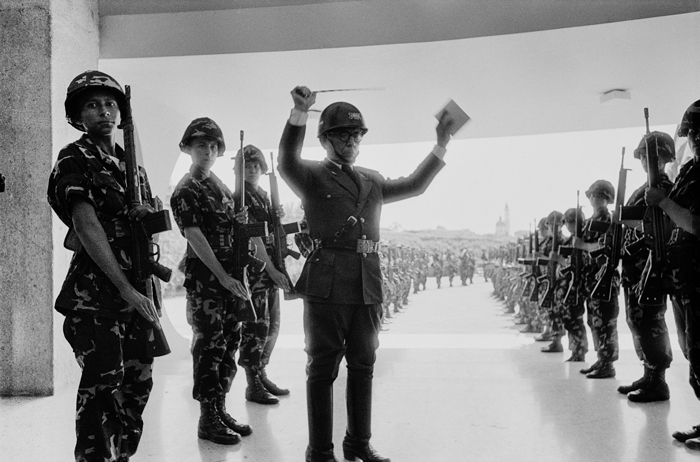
<point>454,381</point>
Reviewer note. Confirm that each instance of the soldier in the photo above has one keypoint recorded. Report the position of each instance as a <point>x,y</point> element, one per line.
<point>682,205</point>
<point>602,315</point>
<point>548,314</point>
<point>257,341</point>
<point>647,320</point>
<point>102,309</point>
<point>341,281</point>
<point>204,211</point>
<point>437,266</point>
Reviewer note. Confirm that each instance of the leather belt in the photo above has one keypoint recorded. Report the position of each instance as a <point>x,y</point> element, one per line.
<point>362,246</point>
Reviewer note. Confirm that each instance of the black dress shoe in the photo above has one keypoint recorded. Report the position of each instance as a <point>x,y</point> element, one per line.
<point>364,451</point>
<point>684,436</point>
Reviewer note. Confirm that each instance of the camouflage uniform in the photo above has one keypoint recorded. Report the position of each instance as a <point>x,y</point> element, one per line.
<point>110,342</point>
<point>602,315</point>
<point>569,314</point>
<point>646,322</point>
<point>208,204</point>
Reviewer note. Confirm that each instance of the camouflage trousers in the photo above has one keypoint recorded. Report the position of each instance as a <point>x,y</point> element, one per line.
<point>649,331</point>
<point>273,310</point>
<point>113,391</point>
<point>686,312</point>
<point>254,334</point>
<point>571,316</point>
<point>216,332</point>
<point>602,320</point>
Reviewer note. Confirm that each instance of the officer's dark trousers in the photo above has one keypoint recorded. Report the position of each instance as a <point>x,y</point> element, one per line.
<point>216,333</point>
<point>649,331</point>
<point>686,312</point>
<point>273,306</point>
<point>333,331</point>
<point>113,391</point>
<point>602,320</point>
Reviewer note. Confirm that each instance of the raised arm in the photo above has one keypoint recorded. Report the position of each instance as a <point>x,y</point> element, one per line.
<point>289,158</point>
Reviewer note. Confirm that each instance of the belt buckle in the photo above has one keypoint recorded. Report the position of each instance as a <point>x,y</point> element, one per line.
<point>363,246</point>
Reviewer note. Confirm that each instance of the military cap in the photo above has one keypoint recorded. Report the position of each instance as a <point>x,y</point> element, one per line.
<point>204,126</point>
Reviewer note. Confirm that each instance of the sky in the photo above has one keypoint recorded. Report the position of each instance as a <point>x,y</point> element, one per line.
<point>533,175</point>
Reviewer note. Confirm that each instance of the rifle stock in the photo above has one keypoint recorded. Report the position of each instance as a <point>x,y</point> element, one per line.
<point>143,259</point>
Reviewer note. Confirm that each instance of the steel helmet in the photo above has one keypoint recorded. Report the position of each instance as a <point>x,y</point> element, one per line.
<point>253,154</point>
<point>603,187</point>
<point>555,217</point>
<point>571,215</point>
<point>340,115</point>
<point>663,142</point>
<point>691,119</point>
<point>90,80</point>
<point>204,126</point>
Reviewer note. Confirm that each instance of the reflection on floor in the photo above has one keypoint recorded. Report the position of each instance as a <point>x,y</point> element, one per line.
<point>454,381</point>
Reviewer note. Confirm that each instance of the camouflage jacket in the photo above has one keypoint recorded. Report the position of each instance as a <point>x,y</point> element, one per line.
<point>205,203</point>
<point>259,210</point>
<point>683,254</point>
<point>83,172</point>
<point>633,265</point>
<point>591,267</point>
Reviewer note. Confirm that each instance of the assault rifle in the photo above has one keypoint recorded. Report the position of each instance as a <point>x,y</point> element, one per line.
<point>551,281</point>
<point>145,254</point>
<point>535,268</point>
<point>572,293</point>
<point>611,252</point>
<point>243,257</point>
<point>280,232</point>
<point>656,229</point>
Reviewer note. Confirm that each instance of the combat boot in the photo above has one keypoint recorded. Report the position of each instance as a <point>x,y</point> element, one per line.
<point>554,347</point>
<point>655,389</point>
<point>637,384</point>
<point>270,386</point>
<point>212,428</point>
<point>230,422</point>
<point>255,391</point>
<point>593,367</point>
<point>576,358</point>
<point>684,436</point>
<point>605,370</point>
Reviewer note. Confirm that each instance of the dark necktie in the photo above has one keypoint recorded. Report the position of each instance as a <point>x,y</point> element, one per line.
<point>352,174</point>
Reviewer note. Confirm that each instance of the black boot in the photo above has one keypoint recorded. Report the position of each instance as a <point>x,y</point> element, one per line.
<point>637,384</point>
<point>230,422</point>
<point>319,408</point>
<point>605,370</point>
<point>593,367</point>
<point>212,428</point>
<point>655,389</point>
<point>684,436</point>
<point>359,406</point>
<point>554,347</point>
<point>255,391</point>
<point>270,385</point>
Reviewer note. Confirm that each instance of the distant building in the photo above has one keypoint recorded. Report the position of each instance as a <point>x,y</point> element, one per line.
<point>503,224</point>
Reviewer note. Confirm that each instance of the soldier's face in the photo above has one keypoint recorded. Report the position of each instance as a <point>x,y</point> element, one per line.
<point>694,141</point>
<point>100,113</point>
<point>204,151</point>
<point>342,152</point>
<point>252,172</point>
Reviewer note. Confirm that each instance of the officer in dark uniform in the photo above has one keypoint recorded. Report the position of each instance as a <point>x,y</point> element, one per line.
<point>341,280</point>
<point>647,320</point>
<point>87,190</point>
<point>682,205</point>
<point>204,211</point>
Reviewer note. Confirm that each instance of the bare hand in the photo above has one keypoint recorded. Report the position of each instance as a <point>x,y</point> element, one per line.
<point>443,130</point>
<point>303,98</point>
<point>578,243</point>
<point>142,304</point>
<point>242,216</point>
<point>140,211</point>
<point>235,286</point>
<point>277,277</point>
<point>654,196</point>
<point>280,211</point>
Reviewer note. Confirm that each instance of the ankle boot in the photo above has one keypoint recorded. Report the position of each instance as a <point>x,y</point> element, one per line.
<point>255,391</point>
<point>605,370</point>
<point>637,384</point>
<point>358,400</point>
<point>230,422</point>
<point>554,347</point>
<point>655,389</point>
<point>270,385</point>
<point>211,428</point>
<point>313,455</point>
<point>590,369</point>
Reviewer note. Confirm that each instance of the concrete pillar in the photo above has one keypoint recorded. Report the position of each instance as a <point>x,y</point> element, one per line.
<point>44,44</point>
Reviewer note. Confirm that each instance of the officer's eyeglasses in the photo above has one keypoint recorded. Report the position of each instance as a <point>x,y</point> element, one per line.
<point>344,135</point>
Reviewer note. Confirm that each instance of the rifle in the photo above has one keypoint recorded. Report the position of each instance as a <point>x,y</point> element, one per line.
<point>535,267</point>
<point>656,229</point>
<point>572,293</point>
<point>612,251</point>
<point>242,254</point>
<point>548,297</point>
<point>280,232</point>
<point>145,254</point>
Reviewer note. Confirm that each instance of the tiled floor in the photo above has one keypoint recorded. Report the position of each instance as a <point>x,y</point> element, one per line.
<point>454,381</point>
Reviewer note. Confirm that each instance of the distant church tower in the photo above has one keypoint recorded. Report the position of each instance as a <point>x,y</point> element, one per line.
<point>503,224</point>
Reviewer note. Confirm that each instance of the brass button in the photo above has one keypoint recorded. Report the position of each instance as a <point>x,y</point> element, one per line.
<point>328,196</point>
<point>362,220</point>
<point>364,236</point>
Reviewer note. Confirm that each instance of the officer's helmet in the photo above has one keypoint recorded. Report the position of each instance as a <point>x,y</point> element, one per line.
<point>90,80</point>
<point>204,126</point>
<point>340,115</point>
<point>662,142</point>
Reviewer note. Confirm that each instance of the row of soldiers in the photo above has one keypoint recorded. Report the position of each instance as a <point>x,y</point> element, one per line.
<point>554,279</point>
